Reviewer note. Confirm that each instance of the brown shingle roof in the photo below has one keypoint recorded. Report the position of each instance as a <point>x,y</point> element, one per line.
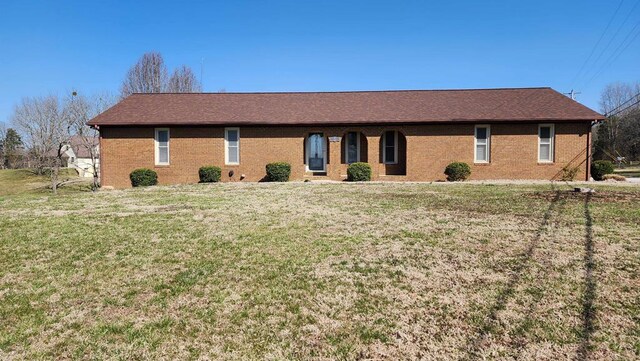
<point>358,107</point>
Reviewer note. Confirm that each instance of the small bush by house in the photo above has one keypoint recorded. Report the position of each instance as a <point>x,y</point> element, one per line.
<point>278,172</point>
<point>209,174</point>
<point>600,168</point>
<point>143,177</point>
<point>457,171</point>
<point>359,172</point>
<point>569,173</point>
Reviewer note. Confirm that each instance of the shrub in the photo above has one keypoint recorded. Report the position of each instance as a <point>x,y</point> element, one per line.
<point>209,174</point>
<point>457,171</point>
<point>569,173</point>
<point>278,172</point>
<point>143,177</point>
<point>600,168</point>
<point>359,172</point>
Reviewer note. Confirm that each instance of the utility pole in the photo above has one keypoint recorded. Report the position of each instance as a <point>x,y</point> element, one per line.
<point>572,94</point>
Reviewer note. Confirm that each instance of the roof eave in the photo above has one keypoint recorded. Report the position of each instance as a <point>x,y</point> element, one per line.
<point>339,123</point>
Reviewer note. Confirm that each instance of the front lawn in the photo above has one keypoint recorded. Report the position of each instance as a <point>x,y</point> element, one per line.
<point>23,181</point>
<point>322,271</point>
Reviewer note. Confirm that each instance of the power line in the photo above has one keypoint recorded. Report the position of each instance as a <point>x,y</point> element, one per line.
<point>623,103</point>
<point>614,36</point>
<point>625,109</point>
<point>615,55</point>
<point>597,43</point>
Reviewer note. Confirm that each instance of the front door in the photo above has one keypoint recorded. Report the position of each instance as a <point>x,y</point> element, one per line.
<point>316,152</point>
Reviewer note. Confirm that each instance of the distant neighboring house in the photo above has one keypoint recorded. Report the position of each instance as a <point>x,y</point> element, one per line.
<point>76,154</point>
<point>520,133</point>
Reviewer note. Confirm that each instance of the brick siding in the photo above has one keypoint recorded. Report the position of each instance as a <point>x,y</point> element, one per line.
<point>424,151</point>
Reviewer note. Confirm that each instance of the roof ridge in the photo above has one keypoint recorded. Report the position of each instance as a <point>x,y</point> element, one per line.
<point>351,91</point>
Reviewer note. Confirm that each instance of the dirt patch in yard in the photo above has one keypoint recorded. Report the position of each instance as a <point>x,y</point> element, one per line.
<point>597,196</point>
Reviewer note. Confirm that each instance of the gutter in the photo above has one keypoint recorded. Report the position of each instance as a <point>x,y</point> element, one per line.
<point>342,123</point>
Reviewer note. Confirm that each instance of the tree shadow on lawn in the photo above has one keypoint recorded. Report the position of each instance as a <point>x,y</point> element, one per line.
<point>589,294</point>
<point>475,344</point>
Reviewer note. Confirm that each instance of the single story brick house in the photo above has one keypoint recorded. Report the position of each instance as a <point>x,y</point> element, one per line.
<point>519,133</point>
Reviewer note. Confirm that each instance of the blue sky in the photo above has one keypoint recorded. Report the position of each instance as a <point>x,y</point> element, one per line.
<point>55,46</point>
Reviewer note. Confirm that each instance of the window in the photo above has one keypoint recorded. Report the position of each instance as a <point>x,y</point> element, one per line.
<point>353,147</point>
<point>316,152</point>
<point>232,146</point>
<point>545,143</point>
<point>390,147</point>
<point>482,144</point>
<point>162,146</point>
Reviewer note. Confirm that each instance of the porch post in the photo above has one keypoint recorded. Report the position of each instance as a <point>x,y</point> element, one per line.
<point>333,166</point>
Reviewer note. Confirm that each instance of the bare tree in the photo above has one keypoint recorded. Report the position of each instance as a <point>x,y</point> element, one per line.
<point>148,75</point>
<point>617,102</point>
<point>614,95</point>
<point>46,126</point>
<point>629,142</point>
<point>84,109</point>
<point>183,80</point>
<point>614,98</point>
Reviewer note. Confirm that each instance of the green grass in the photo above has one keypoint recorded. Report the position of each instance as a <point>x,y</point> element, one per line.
<point>320,271</point>
<point>26,181</point>
<point>628,172</point>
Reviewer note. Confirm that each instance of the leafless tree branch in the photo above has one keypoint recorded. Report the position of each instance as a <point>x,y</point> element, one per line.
<point>148,75</point>
<point>183,80</point>
<point>46,125</point>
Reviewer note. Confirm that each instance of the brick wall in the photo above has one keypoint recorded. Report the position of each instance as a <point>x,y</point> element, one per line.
<point>424,151</point>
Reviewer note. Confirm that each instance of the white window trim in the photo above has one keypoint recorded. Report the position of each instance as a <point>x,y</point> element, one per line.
<point>384,147</point>
<point>226,146</point>
<point>157,146</point>
<point>324,153</point>
<point>475,144</point>
<point>552,136</point>
<point>346,150</point>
